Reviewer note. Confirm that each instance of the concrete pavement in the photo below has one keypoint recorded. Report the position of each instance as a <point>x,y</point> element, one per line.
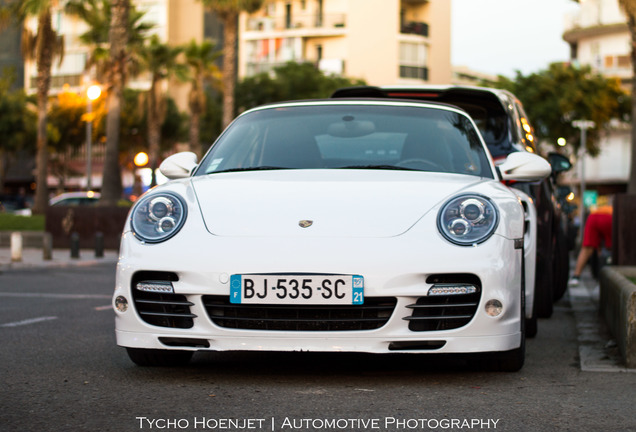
<point>32,258</point>
<point>598,351</point>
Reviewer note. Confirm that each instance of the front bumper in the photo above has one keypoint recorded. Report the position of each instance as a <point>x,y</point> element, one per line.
<point>395,267</point>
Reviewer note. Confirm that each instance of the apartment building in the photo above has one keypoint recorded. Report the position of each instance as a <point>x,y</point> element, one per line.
<point>380,41</point>
<point>598,36</point>
<point>175,21</point>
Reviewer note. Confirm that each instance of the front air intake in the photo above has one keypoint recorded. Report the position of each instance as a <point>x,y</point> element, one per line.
<point>160,308</point>
<point>453,304</point>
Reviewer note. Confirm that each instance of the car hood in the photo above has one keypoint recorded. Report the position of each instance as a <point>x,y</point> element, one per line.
<point>335,203</point>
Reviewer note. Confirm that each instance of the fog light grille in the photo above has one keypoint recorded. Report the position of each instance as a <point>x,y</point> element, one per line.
<point>446,311</point>
<point>157,308</point>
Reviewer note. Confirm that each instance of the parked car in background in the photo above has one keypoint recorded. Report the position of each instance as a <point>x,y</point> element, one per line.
<point>18,204</point>
<point>505,127</point>
<point>86,198</point>
<point>331,225</point>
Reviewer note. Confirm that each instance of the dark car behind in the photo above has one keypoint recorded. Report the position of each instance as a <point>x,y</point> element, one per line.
<point>505,127</point>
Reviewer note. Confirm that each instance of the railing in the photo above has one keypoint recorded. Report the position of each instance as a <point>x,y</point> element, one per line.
<point>414,27</point>
<point>416,72</point>
<point>296,22</point>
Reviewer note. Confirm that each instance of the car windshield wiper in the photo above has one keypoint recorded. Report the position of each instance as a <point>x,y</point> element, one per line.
<point>379,167</point>
<point>258,168</point>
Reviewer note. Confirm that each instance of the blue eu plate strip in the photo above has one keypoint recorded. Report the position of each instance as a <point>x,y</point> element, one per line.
<point>236,285</point>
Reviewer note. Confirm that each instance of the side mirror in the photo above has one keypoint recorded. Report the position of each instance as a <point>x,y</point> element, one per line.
<point>178,165</point>
<point>559,163</point>
<point>523,166</point>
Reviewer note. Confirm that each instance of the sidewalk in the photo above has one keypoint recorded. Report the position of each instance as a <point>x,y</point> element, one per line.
<point>598,351</point>
<point>33,258</point>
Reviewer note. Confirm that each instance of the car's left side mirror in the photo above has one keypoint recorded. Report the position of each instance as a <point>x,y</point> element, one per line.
<point>523,166</point>
<point>559,163</point>
<point>178,165</point>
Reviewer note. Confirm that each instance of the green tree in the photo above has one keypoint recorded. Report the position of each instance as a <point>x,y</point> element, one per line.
<point>161,62</point>
<point>201,59</point>
<point>582,94</point>
<point>16,123</point>
<point>290,81</point>
<point>211,126</point>
<point>228,12</point>
<point>43,47</point>
<point>67,129</point>
<point>116,33</point>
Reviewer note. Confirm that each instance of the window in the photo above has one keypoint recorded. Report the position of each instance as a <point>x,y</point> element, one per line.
<point>413,60</point>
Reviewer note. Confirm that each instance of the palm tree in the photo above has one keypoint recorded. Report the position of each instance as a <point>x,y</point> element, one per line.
<point>42,47</point>
<point>97,14</point>
<point>160,61</point>
<point>629,7</point>
<point>115,34</point>
<point>228,11</point>
<point>201,58</point>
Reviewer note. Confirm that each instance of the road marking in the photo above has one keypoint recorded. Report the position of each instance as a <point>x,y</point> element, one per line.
<point>28,321</point>
<point>49,295</point>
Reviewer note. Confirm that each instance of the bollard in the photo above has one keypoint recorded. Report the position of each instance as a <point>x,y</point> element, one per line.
<point>16,247</point>
<point>99,244</point>
<point>75,245</point>
<point>47,246</point>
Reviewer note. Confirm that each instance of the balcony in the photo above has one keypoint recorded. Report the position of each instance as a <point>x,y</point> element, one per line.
<point>414,72</point>
<point>279,23</point>
<point>414,27</point>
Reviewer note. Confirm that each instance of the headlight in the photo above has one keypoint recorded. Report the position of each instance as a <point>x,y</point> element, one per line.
<point>157,217</point>
<point>468,220</point>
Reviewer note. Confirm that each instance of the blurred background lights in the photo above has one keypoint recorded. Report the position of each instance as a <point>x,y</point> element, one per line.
<point>93,92</point>
<point>141,159</point>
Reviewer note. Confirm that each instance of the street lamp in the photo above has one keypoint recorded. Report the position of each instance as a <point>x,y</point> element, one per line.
<point>92,93</point>
<point>583,126</point>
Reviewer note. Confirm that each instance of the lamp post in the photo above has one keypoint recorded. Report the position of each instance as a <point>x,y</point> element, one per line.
<point>583,126</point>
<point>92,93</point>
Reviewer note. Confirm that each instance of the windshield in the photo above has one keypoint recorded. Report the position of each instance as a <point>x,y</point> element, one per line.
<point>347,136</point>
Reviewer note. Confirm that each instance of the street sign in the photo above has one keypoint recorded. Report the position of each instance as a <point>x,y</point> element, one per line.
<point>590,198</point>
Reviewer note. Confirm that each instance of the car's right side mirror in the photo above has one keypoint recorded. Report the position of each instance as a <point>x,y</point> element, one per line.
<point>179,165</point>
<point>559,163</point>
<point>522,166</point>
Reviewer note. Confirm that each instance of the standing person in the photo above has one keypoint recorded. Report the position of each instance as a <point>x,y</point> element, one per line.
<point>598,233</point>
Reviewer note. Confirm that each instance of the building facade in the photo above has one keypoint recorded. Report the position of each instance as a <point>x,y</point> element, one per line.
<point>599,37</point>
<point>175,21</point>
<point>380,41</point>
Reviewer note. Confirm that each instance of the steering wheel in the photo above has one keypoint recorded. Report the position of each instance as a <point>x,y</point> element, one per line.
<point>423,162</point>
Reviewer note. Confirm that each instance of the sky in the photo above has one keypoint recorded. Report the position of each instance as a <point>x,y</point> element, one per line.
<point>502,36</point>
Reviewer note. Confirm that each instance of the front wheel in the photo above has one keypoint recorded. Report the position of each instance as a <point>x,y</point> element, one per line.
<point>159,357</point>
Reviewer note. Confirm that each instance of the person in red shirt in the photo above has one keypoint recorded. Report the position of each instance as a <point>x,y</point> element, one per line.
<point>598,233</point>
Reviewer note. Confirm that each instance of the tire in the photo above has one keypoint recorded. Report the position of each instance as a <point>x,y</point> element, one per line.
<point>543,293</point>
<point>159,357</point>
<point>562,267</point>
<point>506,361</point>
<point>532,326</point>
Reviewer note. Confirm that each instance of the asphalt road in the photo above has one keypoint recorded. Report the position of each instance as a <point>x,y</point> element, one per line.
<point>60,370</point>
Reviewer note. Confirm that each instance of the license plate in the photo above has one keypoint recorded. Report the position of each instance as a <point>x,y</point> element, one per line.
<point>297,289</point>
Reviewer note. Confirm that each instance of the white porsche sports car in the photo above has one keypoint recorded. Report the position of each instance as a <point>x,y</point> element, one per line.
<point>377,226</point>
